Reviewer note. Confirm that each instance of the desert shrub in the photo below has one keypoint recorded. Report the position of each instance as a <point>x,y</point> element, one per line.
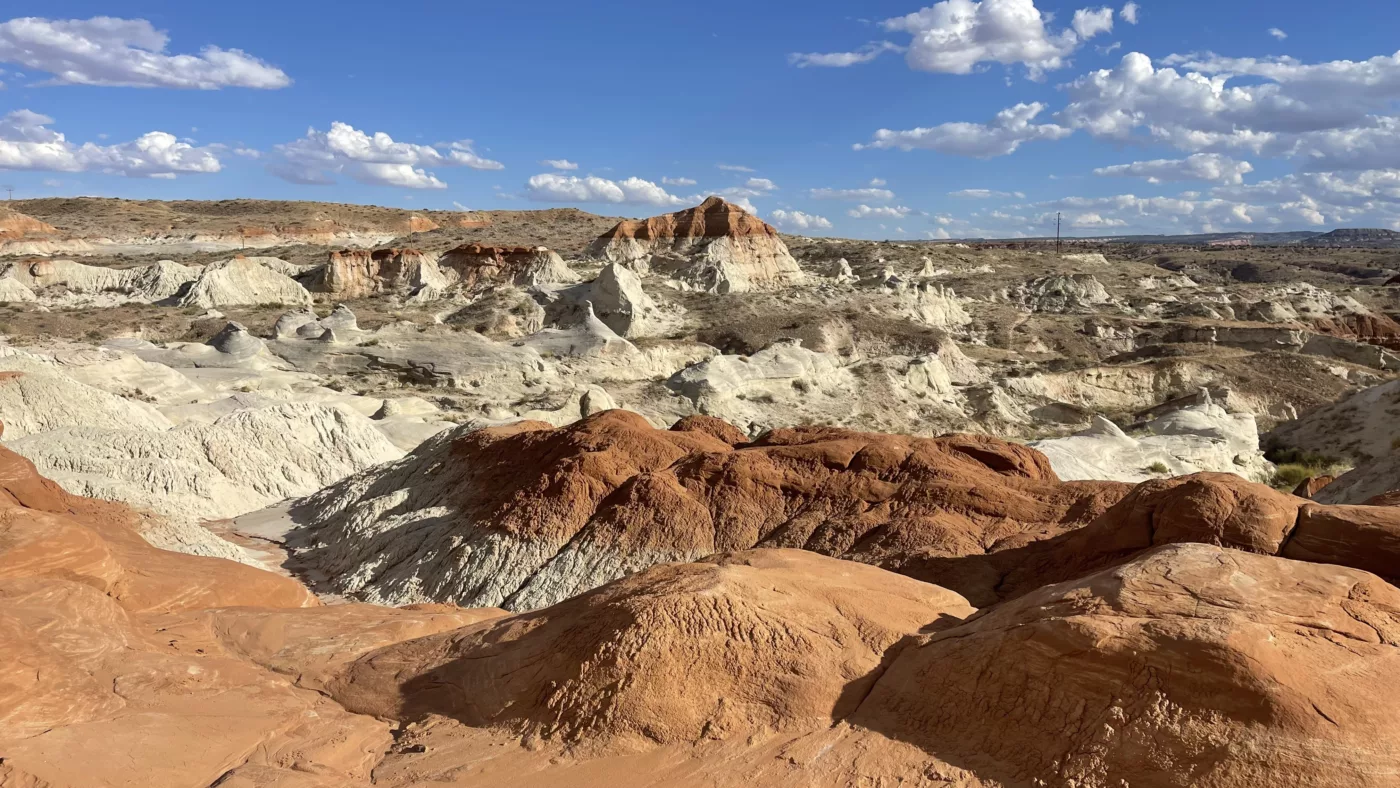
<point>1158,467</point>
<point>1291,474</point>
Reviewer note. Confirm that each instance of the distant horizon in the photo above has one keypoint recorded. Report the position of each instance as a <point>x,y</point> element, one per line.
<point>1027,238</point>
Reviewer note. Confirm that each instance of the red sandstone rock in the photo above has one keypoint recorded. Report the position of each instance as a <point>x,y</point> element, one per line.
<point>711,219</point>
<point>1311,485</point>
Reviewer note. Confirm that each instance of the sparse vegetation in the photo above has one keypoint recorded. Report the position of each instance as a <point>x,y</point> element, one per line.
<point>1158,468</point>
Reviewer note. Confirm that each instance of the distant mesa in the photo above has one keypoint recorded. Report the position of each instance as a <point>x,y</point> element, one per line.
<point>1356,237</point>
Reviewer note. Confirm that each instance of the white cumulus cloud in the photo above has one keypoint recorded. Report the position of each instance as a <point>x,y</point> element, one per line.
<point>797,220</point>
<point>760,185</point>
<point>873,193</point>
<point>879,212</point>
<point>1276,33</point>
<point>1008,130</point>
<point>1089,22</point>
<point>559,164</point>
<point>27,143</point>
<point>1129,13</point>
<point>983,194</point>
<point>954,36</point>
<point>369,158</point>
<point>1212,167</point>
<point>864,54</point>
<point>678,181</point>
<point>554,187</point>
<point>126,53</point>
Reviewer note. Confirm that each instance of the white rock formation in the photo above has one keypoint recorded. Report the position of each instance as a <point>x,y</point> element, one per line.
<point>242,281</point>
<point>716,247</point>
<point>1363,426</point>
<point>842,273</point>
<point>37,396</point>
<point>83,283</point>
<point>239,463</point>
<point>12,290</point>
<point>934,305</point>
<point>1059,294</point>
<point>1196,438</point>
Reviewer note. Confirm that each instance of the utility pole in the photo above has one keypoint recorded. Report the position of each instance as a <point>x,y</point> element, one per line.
<point>1057,232</point>
<point>9,192</point>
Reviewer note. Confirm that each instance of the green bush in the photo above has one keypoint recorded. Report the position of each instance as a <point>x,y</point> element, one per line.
<point>1158,467</point>
<point>1291,474</point>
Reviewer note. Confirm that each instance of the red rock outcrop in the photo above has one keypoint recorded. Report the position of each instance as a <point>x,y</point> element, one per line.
<point>579,506</point>
<point>360,273</point>
<point>729,646</point>
<point>1310,486</point>
<point>1372,329</point>
<point>477,266</point>
<point>539,514</point>
<point>14,224</point>
<point>1179,650</point>
<point>717,247</point>
<point>1190,666</point>
<point>122,664</point>
<point>712,218</point>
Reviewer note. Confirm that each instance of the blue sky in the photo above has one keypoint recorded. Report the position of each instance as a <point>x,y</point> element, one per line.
<point>1160,116</point>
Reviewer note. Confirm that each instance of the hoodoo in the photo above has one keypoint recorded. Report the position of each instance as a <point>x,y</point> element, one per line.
<point>716,247</point>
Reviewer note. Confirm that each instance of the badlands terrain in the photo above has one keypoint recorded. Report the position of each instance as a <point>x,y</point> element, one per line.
<point>313,495</point>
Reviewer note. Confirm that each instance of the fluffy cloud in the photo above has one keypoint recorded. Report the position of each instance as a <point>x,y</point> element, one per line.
<point>678,181</point>
<point>1199,109</point>
<point>797,220</point>
<point>26,143</point>
<point>126,52</point>
<point>955,35</point>
<point>879,212</point>
<point>983,194</point>
<point>865,54</point>
<point>1212,167</point>
<point>374,159</point>
<point>560,164</point>
<point>553,187</point>
<point>1129,13</point>
<point>760,185</point>
<point>1008,130</point>
<point>1276,33</point>
<point>872,194</point>
<point>1093,220</point>
<point>1089,22</point>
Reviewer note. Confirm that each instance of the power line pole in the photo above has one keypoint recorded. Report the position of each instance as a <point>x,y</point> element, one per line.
<point>1057,232</point>
<point>9,192</point>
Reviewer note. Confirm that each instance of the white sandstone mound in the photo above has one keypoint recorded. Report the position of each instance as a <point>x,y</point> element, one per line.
<point>716,247</point>
<point>1197,438</point>
<point>1363,426</point>
<point>304,323</point>
<point>1364,482</point>
<point>12,290</point>
<point>241,462</point>
<point>81,282</point>
<point>1060,294</point>
<point>242,281</point>
<point>1088,258</point>
<point>291,322</point>
<point>36,395</point>
<point>842,273</point>
<point>544,266</point>
<point>934,305</point>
